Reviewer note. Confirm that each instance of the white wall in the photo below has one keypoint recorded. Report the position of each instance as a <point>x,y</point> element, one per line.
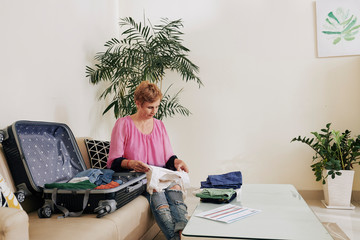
<point>264,84</point>
<point>45,46</point>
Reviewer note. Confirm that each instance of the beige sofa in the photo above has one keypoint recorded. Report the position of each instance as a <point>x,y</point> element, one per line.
<point>132,221</point>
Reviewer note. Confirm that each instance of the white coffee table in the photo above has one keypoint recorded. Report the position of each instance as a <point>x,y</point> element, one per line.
<point>284,215</point>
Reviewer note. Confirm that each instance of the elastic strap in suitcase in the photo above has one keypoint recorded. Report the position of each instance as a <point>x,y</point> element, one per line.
<point>64,210</point>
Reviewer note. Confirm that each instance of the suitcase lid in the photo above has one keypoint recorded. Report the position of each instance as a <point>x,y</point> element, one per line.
<point>50,152</point>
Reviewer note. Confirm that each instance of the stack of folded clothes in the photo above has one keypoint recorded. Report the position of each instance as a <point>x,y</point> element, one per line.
<point>220,188</point>
<point>89,179</point>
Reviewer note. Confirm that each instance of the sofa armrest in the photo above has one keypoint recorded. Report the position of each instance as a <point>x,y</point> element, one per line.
<point>14,224</point>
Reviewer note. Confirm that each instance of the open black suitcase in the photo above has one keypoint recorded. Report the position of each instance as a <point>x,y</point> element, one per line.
<point>45,152</point>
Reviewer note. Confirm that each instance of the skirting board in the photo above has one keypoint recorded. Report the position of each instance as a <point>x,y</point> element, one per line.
<point>351,207</point>
<point>319,195</point>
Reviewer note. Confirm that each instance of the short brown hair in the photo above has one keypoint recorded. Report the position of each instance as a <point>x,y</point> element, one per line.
<point>147,92</point>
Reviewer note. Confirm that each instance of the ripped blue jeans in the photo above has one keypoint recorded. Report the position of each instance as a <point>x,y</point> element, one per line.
<point>169,210</point>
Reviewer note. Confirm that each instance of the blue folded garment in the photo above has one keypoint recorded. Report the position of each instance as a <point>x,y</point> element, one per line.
<point>227,180</point>
<point>97,176</point>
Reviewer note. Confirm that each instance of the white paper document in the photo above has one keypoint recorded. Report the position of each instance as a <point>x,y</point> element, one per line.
<point>228,213</point>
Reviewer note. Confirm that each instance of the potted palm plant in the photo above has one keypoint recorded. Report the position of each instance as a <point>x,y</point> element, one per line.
<point>335,156</point>
<point>145,52</point>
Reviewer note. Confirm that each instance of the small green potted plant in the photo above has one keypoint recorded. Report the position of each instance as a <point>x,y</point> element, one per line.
<point>335,156</point>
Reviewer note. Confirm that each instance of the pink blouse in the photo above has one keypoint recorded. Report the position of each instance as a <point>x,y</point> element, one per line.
<point>128,142</point>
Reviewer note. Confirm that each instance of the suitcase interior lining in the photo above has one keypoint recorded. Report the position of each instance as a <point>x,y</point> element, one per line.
<point>49,152</point>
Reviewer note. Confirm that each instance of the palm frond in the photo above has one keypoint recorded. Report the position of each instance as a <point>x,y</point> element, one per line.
<point>145,52</point>
<point>170,105</point>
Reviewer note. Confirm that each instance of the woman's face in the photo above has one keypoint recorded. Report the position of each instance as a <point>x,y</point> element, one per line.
<point>148,110</point>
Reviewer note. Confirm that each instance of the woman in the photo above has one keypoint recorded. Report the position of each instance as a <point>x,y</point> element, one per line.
<point>140,140</point>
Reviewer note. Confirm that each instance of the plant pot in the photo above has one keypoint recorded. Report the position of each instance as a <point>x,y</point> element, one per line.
<point>337,191</point>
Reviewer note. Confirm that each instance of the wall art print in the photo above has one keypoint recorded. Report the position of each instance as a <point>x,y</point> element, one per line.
<point>338,27</point>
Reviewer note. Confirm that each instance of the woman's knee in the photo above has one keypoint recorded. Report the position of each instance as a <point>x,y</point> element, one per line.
<point>162,207</point>
<point>176,187</point>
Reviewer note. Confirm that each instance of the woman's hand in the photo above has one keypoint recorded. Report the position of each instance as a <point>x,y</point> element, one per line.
<point>181,165</point>
<point>138,166</point>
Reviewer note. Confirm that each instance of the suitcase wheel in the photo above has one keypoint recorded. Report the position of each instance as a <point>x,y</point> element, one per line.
<point>102,210</point>
<point>20,195</point>
<point>44,212</point>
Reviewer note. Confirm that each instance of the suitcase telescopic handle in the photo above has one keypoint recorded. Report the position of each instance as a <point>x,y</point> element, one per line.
<point>135,187</point>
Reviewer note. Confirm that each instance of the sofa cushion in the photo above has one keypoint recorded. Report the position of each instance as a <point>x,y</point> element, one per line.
<point>134,219</point>
<point>14,224</point>
<point>131,221</point>
<point>98,152</point>
<point>87,226</point>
